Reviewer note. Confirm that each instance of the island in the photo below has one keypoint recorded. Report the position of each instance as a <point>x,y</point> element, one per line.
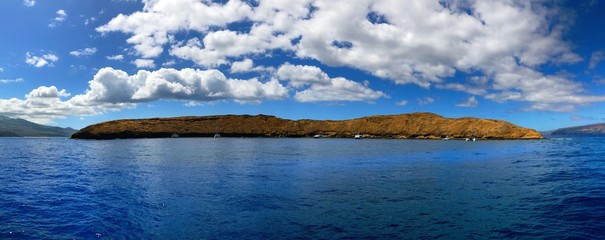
<point>17,127</point>
<point>402,126</point>
<point>585,130</point>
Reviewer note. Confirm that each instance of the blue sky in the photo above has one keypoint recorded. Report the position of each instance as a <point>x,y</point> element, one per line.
<point>72,63</point>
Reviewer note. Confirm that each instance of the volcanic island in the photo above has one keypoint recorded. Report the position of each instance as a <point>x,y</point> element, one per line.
<point>401,126</point>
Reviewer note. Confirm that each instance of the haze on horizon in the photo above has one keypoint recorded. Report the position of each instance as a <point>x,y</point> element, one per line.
<point>538,64</point>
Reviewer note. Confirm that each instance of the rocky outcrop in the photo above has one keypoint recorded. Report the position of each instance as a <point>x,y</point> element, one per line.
<point>404,126</point>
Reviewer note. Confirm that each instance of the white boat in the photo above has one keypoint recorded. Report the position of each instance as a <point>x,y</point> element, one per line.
<point>175,135</point>
<point>216,135</point>
<point>446,138</point>
<point>358,136</point>
<point>318,136</point>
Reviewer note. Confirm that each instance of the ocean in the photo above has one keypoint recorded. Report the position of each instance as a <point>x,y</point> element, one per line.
<point>269,188</point>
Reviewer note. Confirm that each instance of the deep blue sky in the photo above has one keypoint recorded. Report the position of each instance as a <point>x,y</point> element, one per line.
<point>72,63</point>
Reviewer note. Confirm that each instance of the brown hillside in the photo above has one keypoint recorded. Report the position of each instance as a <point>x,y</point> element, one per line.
<point>415,125</point>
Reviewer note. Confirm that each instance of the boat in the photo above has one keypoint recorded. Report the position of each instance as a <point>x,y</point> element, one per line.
<point>318,136</point>
<point>446,138</point>
<point>470,139</point>
<point>358,136</point>
<point>175,135</point>
<point>216,135</point>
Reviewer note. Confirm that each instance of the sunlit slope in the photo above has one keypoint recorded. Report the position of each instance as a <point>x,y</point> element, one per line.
<point>412,126</point>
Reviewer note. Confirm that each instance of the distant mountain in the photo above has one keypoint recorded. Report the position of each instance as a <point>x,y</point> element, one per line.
<point>16,127</point>
<point>593,129</point>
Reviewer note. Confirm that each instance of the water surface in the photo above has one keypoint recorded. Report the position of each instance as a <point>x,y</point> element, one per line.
<point>255,188</point>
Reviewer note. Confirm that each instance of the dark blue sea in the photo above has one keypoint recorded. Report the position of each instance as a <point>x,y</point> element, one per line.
<point>255,188</point>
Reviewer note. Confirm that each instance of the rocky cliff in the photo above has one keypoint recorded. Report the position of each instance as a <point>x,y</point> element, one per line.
<point>404,126</point>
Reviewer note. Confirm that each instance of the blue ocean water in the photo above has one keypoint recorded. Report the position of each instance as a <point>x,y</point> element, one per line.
<point>255,188</point>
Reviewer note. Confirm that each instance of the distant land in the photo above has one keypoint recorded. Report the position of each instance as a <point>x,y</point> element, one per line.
<point>403,126</point>
<point>16,127</point>
<point>592,130</point>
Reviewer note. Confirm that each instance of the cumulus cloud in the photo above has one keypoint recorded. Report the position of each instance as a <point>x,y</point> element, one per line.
<point>42,105</point>
<point>245,66</point>
<point>339,89</point>
<point>115,86</point>
<point>169,63</point>
<point>144,63</point>
<point>323,88</point>
<point>302,75</point>
<point>29,3</point>
<point>61,16</point>
<point>476,85</point>
<point>118,57</point>
<point>470,102</point>
<point>408,42</point>
<point>41,61</point>
<point>151,28</point>
<point>83,52</point>
<point>113,89</point>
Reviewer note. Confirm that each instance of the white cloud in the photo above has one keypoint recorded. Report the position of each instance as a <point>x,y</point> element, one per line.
<point>150,28</point>
<point>300,76</point>
<point>115,86</point>
<point>425,101</point>
<point>144,63</point>
<point>112,89</point>
<point>242,66</point>
<point>470,102</point>
<point>418,42</point>
<point>84,52</point>
<point>46,92</point>
<point>401,103</point>
<point>41,61</point>
<point>476,85</point>
<point>169,63</point>
<point>29,3</point>
<point>118,57</point>
<point>216,47</point>
<point>323,88</point>
<point>61,16</point>
<point>89,20</point>
<point>595,59</point>
<point>1,69</point>
<point>42,105</point>
<point>543,92</point>
<point>339,89</point>
<point>11,80</point>
<point>247,65</point>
